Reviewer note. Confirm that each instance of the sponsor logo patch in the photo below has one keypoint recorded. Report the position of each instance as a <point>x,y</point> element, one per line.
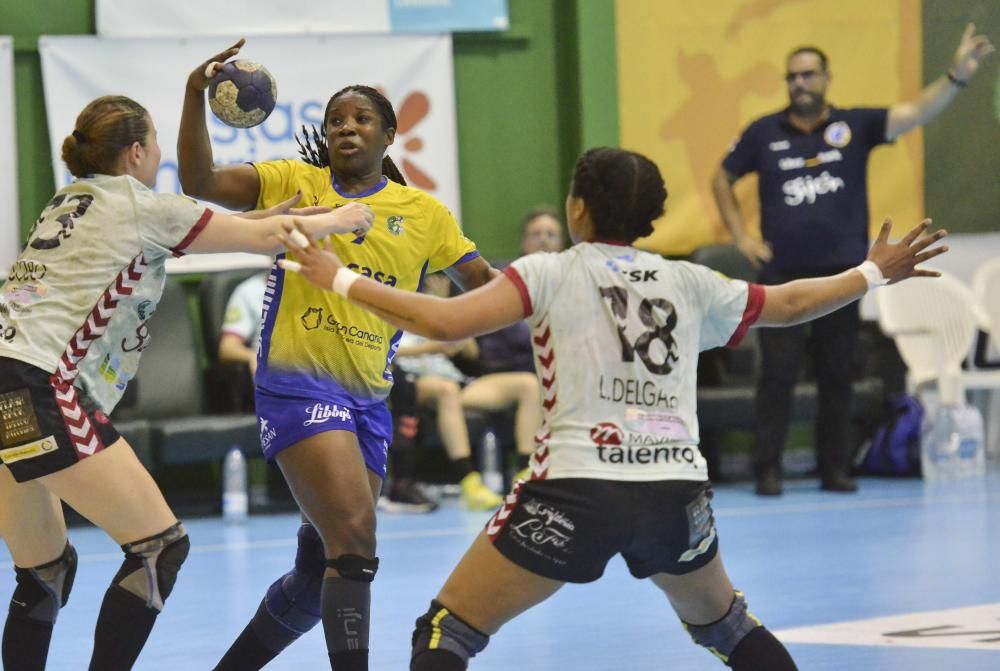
<point>18,422</point>
<point>29,451</point>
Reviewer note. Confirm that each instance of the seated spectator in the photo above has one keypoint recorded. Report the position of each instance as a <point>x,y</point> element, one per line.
<point>241,328</point>
<point>439,386</point>
<point>402,493</point>
<point>505,365</point>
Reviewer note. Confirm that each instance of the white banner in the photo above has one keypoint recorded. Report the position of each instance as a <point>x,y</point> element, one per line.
<point>415,72</point>
<point>10,238</point>
<point>133,18</point>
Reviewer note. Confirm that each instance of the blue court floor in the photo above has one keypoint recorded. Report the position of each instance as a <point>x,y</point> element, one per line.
<point>902,576</point>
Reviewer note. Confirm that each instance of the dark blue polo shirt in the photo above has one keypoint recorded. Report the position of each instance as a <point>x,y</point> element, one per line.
<point>813,187</point>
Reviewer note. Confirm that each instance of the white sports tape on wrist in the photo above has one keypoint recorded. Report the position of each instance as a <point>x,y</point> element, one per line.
<point>343,280</point>
<point>873,274</point>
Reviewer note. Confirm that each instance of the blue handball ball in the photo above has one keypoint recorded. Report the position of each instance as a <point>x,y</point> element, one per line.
<point>242,94</point>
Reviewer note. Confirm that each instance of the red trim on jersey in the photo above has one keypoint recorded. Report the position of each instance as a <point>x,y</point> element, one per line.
<point>195,231</point>
<point>522,289</point>
<point>755,303</point>
<point>502,516</point>
<point>97,321</point>
<point>80,431</point>
<point>616,243</point>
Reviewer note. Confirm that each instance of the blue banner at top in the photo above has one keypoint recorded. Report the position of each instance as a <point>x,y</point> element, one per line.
<point>448,15</point>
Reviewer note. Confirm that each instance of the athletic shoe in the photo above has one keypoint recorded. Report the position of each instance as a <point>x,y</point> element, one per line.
<point>405,497</point>
<point>476,495</point>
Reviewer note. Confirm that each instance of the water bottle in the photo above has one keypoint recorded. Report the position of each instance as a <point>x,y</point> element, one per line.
<point>490,458</point>
<point>235,501</point>
<point>951,444</point>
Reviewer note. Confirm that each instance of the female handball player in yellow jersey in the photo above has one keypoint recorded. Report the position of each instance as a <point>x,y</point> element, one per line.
<point>323,370</point>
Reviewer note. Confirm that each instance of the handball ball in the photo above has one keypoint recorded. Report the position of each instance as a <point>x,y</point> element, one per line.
<point>242,94</point>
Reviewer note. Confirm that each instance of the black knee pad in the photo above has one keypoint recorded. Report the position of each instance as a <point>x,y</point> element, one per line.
<point>151,565</point>
<point>41,591</point>
<point>722,636</point>
<point>294,599</point>
<point>440,630</point>
<point>354,567</point>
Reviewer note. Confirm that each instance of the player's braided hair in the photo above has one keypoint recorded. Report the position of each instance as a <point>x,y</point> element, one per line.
<point>623,190</point>
<point>105,126</point>
<point>314,150</point>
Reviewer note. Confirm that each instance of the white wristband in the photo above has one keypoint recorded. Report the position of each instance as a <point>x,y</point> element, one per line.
<point>343,280</point>
<point>873,274</point>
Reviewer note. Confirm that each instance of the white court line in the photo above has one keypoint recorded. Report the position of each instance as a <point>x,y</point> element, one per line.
<point>863,504</point>
<point>721,512</point>
<point>969,628</point>
<point>291,541</point>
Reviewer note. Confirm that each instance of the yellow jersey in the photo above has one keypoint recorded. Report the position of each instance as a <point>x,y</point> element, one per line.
<point>315,342</point>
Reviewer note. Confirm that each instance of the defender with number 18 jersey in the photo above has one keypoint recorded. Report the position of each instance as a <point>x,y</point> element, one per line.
<point>616,333</point>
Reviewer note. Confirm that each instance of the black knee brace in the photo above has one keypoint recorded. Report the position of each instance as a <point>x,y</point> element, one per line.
<point>41,591</point>
<point>354,567</point>
<point>722,636</point>
<point>151,565</point>
<point>294,599</point>
<point>440,630</point>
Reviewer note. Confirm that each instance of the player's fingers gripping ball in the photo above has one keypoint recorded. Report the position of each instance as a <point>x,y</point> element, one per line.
<point>242,93</point>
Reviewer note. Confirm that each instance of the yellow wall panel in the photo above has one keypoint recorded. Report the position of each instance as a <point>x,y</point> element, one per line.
<point>691,76</point>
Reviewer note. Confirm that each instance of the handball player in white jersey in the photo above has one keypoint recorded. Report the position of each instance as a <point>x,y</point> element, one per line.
<point>616,334</point>
<point>73,322</point>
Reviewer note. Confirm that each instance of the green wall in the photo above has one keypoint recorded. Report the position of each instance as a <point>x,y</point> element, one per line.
<point>962,146</point>
<point>528,101</point>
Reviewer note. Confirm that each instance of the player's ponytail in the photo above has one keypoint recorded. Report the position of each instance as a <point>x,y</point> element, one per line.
<point>105,127</point>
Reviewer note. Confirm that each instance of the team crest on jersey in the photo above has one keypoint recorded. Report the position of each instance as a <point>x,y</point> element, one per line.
<point>312,318</point>
<point>837,134</point>
<point>395,224</point>
<point>145,310</point>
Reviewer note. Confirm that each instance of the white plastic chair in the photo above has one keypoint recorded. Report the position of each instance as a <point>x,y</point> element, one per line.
<point>934,323</point>
<point>986,288</point>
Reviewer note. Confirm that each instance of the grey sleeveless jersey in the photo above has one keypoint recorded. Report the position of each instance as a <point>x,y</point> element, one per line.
<point>79,296</point>
<point>616,337</point>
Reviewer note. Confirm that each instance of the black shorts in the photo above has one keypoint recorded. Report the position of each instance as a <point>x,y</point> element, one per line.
<point>568,529</point>
<point>45,424</point>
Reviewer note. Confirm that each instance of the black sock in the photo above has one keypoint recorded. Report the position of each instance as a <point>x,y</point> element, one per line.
<point>437,660</point>
<point>25,643</point>
<point>761,651</point>
<point>522,461</point>
<point>346,619</point>
<point>122,629</point>
<point>249,651</point>
<point>463,466</point>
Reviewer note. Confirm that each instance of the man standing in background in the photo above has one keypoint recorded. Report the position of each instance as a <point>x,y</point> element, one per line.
<point>811,158</point>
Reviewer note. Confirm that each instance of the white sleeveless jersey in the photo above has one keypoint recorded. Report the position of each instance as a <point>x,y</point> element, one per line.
<point>91,273</point>
<point>616,336</point>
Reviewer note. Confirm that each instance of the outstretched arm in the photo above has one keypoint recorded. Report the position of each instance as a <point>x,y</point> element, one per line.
<point>482,310</point>
<point>233,186</point>
<point>804,300</point>
<point>972,49</point>
<point>232,233</point>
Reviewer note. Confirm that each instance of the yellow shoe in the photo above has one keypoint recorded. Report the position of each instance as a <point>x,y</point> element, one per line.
<point>523,474</point>
<point>476,495</point>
